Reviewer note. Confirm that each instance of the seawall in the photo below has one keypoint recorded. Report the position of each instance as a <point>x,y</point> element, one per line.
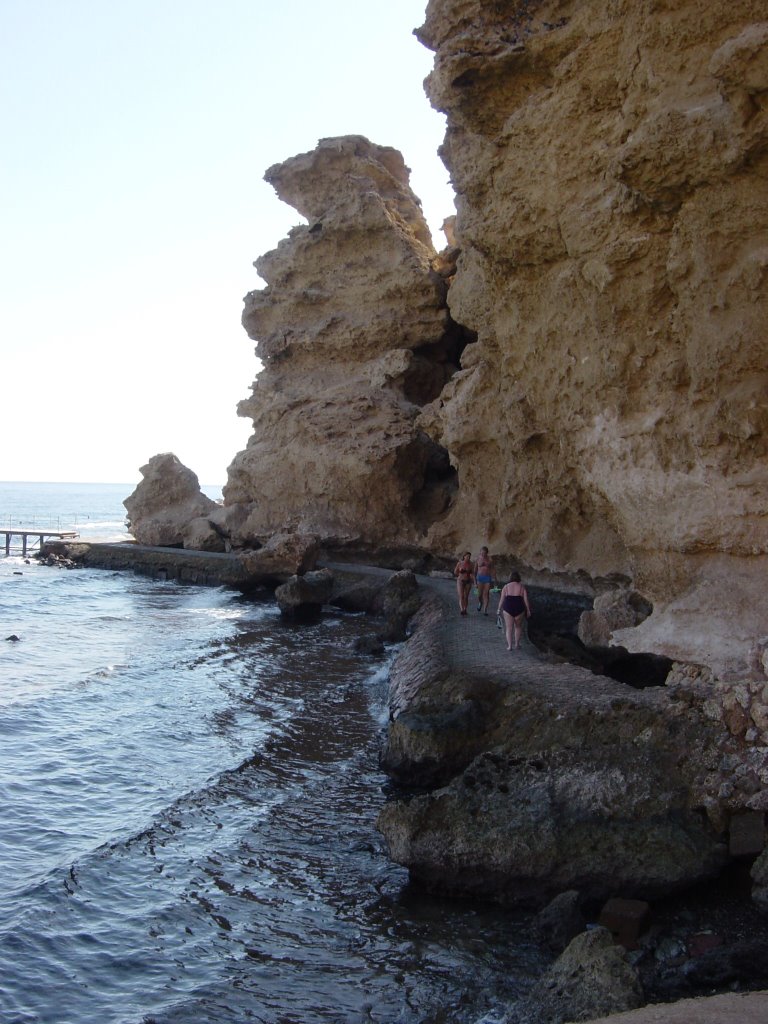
<point>206,568</point>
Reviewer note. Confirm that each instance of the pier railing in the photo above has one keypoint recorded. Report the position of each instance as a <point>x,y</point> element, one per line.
<point>36,521</point>
<point>28,540</point>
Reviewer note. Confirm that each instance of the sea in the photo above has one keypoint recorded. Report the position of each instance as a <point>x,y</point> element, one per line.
<point>189,789</point>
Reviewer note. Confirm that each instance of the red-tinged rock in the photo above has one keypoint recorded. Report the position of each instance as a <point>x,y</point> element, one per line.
<point>625,920</point>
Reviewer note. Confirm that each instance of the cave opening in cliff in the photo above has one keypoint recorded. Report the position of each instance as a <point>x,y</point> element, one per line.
<point>554,631</point>
<point>433,365</point>
<point>439,485</point>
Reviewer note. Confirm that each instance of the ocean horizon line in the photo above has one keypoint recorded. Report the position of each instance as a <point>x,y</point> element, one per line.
<point>90,483</point>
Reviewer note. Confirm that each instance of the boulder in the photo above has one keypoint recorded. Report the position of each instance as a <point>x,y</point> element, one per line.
<point>617,609</point>
<point>560,921</point>
<point>284,555</point>
<point>165,502</point>
<point>238,525</point>
<point>521,829</point>
<point>400,602</point>
<point>304,595</point>
<point>591,978</point>
<point>357,595</point>
<point>201,535</point>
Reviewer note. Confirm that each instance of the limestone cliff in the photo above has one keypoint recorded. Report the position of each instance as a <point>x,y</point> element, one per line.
<point>610,165</point>
<point>355,337</point>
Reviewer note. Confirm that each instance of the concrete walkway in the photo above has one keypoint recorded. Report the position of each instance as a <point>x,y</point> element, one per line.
<point>474,644</point>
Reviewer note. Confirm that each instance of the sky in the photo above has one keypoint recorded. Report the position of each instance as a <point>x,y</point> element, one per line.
<point>134,137</point>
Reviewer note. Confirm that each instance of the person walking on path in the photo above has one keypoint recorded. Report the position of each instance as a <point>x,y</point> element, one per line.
<point>484,579</point>
<point>513,605</point>
<point>464,578</point>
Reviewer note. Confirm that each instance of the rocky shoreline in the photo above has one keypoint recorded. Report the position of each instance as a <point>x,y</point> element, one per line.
<point>541,784</point>
<point>538,782</point>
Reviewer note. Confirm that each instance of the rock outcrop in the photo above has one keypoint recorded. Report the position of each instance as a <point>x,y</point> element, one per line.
<point>610,164</point>
<point>603,795</point>
<point>355,338</point>
<point>609,418</point>
<point>166,504</point>
<point>528,778</point>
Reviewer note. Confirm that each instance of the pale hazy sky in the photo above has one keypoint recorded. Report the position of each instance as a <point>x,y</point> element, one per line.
<point>134,137</point>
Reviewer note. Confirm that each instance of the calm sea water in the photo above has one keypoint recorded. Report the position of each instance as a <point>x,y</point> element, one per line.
<point>188,792</point>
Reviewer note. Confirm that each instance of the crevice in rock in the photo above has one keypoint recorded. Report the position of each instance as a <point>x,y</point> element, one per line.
<point>554,632</point>
<point>433,365</point>
<point>439,488</point>
<point>430,369</point>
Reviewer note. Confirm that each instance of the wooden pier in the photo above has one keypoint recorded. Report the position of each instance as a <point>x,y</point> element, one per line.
<point>41,535</point>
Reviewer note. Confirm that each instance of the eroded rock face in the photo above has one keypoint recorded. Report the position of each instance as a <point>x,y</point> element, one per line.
<point>522,829</point>
<point>165,504</point>
<point>355,337</point>
<point>545,778</point>
<point>610,162</point>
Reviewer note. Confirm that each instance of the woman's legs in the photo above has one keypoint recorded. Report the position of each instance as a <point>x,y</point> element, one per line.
<point>518,629</point>
<point>463,587</point>
<point>509,624</point>
<point>484,595</point>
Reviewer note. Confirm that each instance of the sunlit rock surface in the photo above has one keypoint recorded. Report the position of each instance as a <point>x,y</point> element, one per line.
<point>601,409</point>
<point>610,167</point>
<point>355,337</point>
<point>167,500</point>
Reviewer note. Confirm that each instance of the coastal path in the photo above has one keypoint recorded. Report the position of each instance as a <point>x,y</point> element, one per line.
<point>474,644</point>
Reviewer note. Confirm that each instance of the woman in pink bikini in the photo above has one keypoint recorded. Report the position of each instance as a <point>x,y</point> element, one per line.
<point>513,604</point>
<point>464,577</point>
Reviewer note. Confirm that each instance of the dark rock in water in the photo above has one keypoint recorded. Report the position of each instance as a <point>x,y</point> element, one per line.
<point>592,978</point>
<point>303,595</point>
<point>401,601</point>
<point>560,921</point>
<point>358,595</point>
<point>17,572</point>
<point>522,829</point>
<point>13,638</point>
<point>372,645</point>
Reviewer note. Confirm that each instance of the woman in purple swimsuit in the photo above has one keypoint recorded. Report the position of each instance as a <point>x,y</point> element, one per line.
<point>513,604</point>
<point>484,579</point>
